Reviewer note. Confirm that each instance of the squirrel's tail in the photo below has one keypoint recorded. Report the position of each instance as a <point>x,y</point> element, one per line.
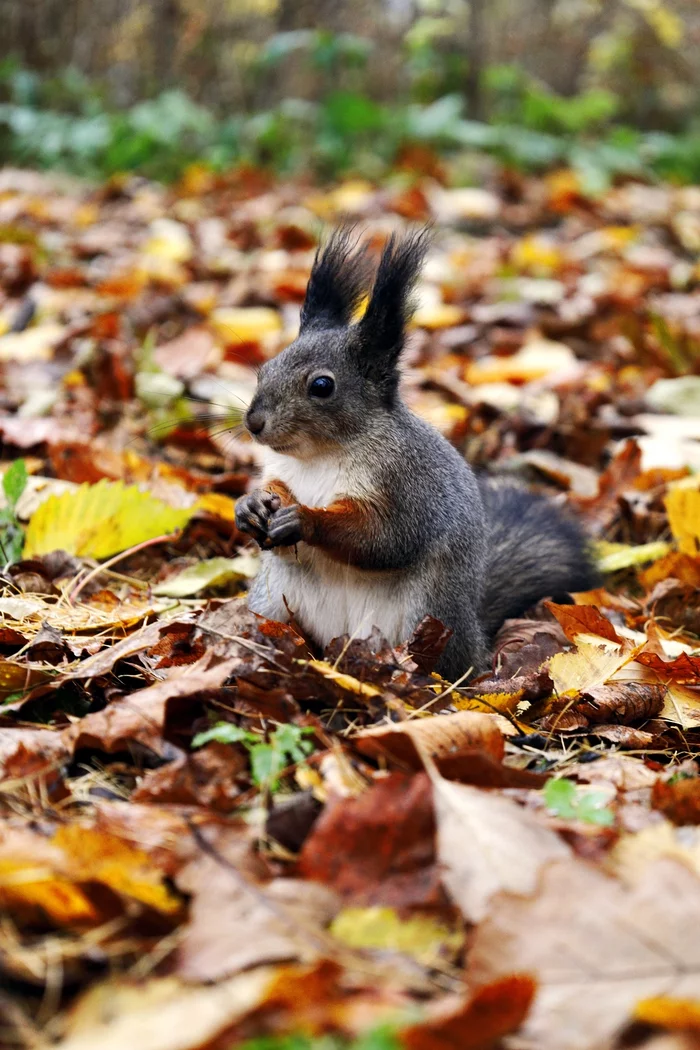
<point>535,550</point>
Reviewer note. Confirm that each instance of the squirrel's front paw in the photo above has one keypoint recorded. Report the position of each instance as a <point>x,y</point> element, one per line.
<point>254,513</point>
<point>285,527</point>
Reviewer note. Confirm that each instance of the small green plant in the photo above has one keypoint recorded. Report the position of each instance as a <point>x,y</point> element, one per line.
<point>379,1039</point>
<point>285,746</point>
<point>563,800</point>
<point>14,482</point>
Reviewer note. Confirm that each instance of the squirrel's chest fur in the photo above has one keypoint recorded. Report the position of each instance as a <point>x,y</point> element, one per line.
<point>325,597</point>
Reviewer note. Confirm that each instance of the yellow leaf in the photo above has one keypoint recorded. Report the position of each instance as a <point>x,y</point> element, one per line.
<point>220,506</point>
<point>682,706</point>
<point>537,254</point>
<point>245,324</point>
<point>537,359</point>
<point>15,678</point>
<point>438,315</point>
<point>614,556</point>
<point>24,883</point>
<point>669,1013</point>
<point>345,681</point>
<point>170,240</point>
<point>100,857</point>
<point>423,938</point>
<point>683,508</point>
<point>490,702</point>
<point>100,520</point>
<point>588,665</point>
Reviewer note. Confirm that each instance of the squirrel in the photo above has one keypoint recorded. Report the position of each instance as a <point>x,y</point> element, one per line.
<point>366,515</point>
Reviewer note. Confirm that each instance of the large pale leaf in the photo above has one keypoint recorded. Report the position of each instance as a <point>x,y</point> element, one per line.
<point>100,520</point>
<point>214,572</point>
<point>488,844</point>
<point>595,947</point>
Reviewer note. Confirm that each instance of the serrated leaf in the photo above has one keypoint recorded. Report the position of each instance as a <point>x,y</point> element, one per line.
<point>214,572</point>
<point>100,520</point>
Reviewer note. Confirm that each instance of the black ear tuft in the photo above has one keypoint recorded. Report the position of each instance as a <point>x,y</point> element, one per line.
<point>383,327</point>
<point>338,281</point>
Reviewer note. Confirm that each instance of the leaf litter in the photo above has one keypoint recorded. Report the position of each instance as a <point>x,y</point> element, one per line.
<point>212,832</point>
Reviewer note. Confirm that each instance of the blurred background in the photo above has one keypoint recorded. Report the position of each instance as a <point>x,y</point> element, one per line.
<point>331,87</point>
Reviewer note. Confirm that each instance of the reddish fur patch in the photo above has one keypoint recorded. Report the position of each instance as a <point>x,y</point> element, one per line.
<point>278,488</point>
<point>340,530</point>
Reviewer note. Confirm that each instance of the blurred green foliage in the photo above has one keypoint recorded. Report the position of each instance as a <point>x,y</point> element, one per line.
<point>67,122</point>
<point>379,1039</point>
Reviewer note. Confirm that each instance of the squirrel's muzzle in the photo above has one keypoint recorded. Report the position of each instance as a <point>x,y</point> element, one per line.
<point>255,421</point>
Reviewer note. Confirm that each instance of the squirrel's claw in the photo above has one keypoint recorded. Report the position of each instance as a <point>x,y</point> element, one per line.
<point>285,527</point>
<point>254,512</point>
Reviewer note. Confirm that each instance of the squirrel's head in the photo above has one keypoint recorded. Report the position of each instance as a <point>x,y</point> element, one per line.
<point>325,386</point>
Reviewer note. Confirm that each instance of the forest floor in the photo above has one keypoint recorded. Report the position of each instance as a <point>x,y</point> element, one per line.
<point>213,835</point>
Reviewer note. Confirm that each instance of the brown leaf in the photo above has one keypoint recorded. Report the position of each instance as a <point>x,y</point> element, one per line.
<point>595,947</point>
<point>437,735</point>
<point>30,752</point>
<point>236,922</point>
<point>583,619</point>
<point>427,643</point>
<point>602,509</point>
<point>684,668</point>
<point>616,702</point>
<point>378,848</point>
<point>679,800</point>
<point>493,1012</point>
<point>103,662</point>
<point>208,777</point>
<point>141,716</point>
<point>626,737</point>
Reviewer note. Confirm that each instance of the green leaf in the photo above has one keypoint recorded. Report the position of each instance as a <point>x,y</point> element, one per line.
<point>288,739</point>
<point>223,733</point>
<point>563,799</point>
<point>266,764</point>
<point>559,795</point>
<point>592,809</point>
<point>14,481</point>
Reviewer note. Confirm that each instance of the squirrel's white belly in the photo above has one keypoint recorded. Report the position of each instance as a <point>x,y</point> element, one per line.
<point>326,598</point>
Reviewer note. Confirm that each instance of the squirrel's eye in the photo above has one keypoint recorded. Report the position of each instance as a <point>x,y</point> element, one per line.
<point>322,386</point>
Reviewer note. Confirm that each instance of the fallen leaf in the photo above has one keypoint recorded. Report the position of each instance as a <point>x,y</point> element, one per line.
<point>438,736</point>
<point>493,1012</point>
<point>487,844</point>
<point>237,922</point>
<point>585,937</point>
<point>100,520</point>
<point>683,508</point>
<point>423,938</point>
<point>163,1013</point>
<point>214,572</point>
<point>377,848</point>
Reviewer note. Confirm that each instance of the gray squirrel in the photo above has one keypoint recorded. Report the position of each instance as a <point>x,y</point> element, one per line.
<point>366,515</point>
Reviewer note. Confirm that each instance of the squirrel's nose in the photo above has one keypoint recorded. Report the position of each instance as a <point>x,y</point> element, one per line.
<point>255,421</point>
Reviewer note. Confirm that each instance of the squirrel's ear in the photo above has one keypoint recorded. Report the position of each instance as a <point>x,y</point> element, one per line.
<point>383,327</point>
<point>339,279</point>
